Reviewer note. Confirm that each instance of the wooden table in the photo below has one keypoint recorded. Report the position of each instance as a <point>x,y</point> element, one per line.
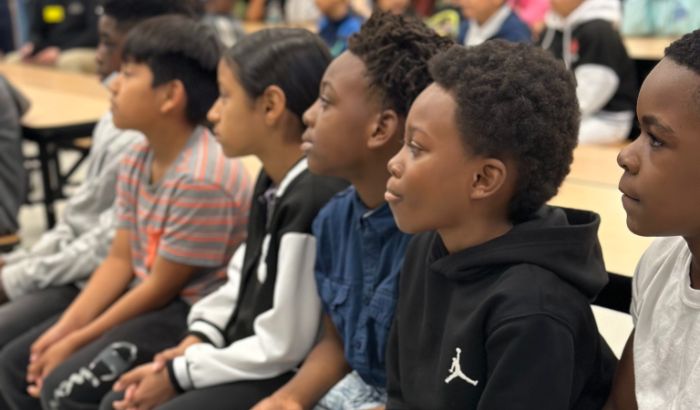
<point>647,48</point>
<point>596,164</point>
<point>65,106</point>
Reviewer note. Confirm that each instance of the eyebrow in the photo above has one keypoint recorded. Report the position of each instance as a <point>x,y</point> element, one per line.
<point>651,121</point>
<point>326,85</point>
<point>412,129</point>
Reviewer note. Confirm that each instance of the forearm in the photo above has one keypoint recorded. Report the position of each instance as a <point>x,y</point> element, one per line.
<point>141,299</point>
<point>107,283</point>
<point>323,368</point>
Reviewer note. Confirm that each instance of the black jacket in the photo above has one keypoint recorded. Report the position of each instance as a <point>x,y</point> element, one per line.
<point>512,315</point>
<point>64,24</point>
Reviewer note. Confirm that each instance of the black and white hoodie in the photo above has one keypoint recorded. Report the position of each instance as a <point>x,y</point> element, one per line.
<point>590,45</point>
<point>265,319</point>
<point>502,325</point>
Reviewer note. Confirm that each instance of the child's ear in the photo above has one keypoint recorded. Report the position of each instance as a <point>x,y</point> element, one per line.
<point>488,179</point>
<point>385,128</point>
<point>174,95</point>
<point>274,103</point>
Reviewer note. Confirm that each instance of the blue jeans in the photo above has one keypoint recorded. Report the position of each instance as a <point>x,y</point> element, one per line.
<point>352,393</point>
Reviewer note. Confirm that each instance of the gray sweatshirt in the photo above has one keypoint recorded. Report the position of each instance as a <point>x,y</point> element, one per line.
<point>76,246</point>
<point>13,180</point>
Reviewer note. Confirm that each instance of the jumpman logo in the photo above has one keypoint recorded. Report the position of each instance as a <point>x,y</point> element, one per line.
<point>456,370</point>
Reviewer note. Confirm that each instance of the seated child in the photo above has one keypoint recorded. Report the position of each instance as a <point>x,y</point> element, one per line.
<point>181,211</point>
<point>353,129</point>
<point>659,368</point>
<point>489,19</point>
<point>583,34</point>
<point>41,281</point>
<point>245,339</point>
<point>338,22</point>
<point>498,289</point>
<point>62,33</point>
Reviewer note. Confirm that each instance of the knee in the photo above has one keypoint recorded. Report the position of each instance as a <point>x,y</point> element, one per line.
<point>108,401</point>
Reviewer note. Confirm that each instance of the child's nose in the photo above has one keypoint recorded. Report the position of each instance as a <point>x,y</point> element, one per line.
<point>394,166</point>
<point>115,84</point>
<point>213,113</point>
<point>309,116</point>
<point>627,159</point>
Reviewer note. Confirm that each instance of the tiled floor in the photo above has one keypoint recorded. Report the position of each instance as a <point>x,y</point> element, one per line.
<point>614,326</point>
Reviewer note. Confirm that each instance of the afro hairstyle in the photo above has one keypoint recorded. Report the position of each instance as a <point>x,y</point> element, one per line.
<point>514,102</point>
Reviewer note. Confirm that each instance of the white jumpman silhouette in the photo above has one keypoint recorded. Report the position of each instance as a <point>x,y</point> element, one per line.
<point>456,370</point>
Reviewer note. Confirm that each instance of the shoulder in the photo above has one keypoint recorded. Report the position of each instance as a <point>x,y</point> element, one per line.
<point>598,29</point>
<point>659,260</point>
<point>526,290</point>
<point>514,29</point>
<point>312,190</point>
<point>204,163</point>
<point>338,206</point>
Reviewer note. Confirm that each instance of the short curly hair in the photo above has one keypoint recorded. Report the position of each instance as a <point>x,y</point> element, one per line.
<point>395,51</point>
<point>686,52</point>
<point>514,102</point>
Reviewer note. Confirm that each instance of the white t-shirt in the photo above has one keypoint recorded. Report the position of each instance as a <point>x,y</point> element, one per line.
<point>666,312</point>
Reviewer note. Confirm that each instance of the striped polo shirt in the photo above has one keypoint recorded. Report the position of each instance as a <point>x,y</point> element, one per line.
<point>195,215</point>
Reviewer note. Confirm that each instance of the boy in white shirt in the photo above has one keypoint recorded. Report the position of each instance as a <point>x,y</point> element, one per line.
<point>660,366</point>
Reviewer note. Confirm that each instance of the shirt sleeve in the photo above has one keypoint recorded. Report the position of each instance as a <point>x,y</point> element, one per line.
<point>204,224</point>
<point>75,262</point>
<point>283,335</point>
<point>597,81</point>
<point>209,316</point>
<point>530,365</point>
<point>125,203</point>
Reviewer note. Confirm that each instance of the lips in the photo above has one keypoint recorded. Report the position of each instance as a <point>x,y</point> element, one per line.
<point>306,141</point>
<point>390,195</point>
<point>627,193</point>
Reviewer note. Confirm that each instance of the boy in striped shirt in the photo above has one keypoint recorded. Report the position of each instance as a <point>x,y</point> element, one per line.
<point>182,208</point>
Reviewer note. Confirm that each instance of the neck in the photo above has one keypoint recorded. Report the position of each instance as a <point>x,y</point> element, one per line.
<point>339,12</point>
<point>473,231</point>
<point>167,139</point>
<point>279,158</point>
<point>694,246</point>
<point>370,182</point>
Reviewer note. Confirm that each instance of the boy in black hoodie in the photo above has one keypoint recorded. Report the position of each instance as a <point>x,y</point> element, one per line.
<point>493,309</point>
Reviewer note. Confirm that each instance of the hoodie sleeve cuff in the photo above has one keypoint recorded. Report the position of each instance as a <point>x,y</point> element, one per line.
<point>208,332</point>
<point>13,281</point>
<point>179,374</point>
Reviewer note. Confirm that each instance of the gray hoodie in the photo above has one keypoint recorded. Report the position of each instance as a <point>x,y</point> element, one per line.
<point>13,180</point>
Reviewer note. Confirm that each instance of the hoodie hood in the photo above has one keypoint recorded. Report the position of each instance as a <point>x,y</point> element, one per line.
<point>562,241</point>
<point>608,10</point>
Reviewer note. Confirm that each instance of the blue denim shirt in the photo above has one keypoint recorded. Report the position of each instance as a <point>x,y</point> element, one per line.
<point>360,252</point>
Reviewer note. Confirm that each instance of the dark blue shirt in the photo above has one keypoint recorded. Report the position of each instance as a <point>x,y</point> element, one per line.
<point>359,255</point>
<point>336,33</point>
<point>513,29</point>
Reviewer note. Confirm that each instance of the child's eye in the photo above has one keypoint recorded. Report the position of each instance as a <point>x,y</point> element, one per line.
<point>654,142</point>
<point>414,148</point>
<point>324,102</point>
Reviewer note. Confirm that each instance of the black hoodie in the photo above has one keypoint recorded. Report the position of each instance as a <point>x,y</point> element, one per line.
<point>503,325</point>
